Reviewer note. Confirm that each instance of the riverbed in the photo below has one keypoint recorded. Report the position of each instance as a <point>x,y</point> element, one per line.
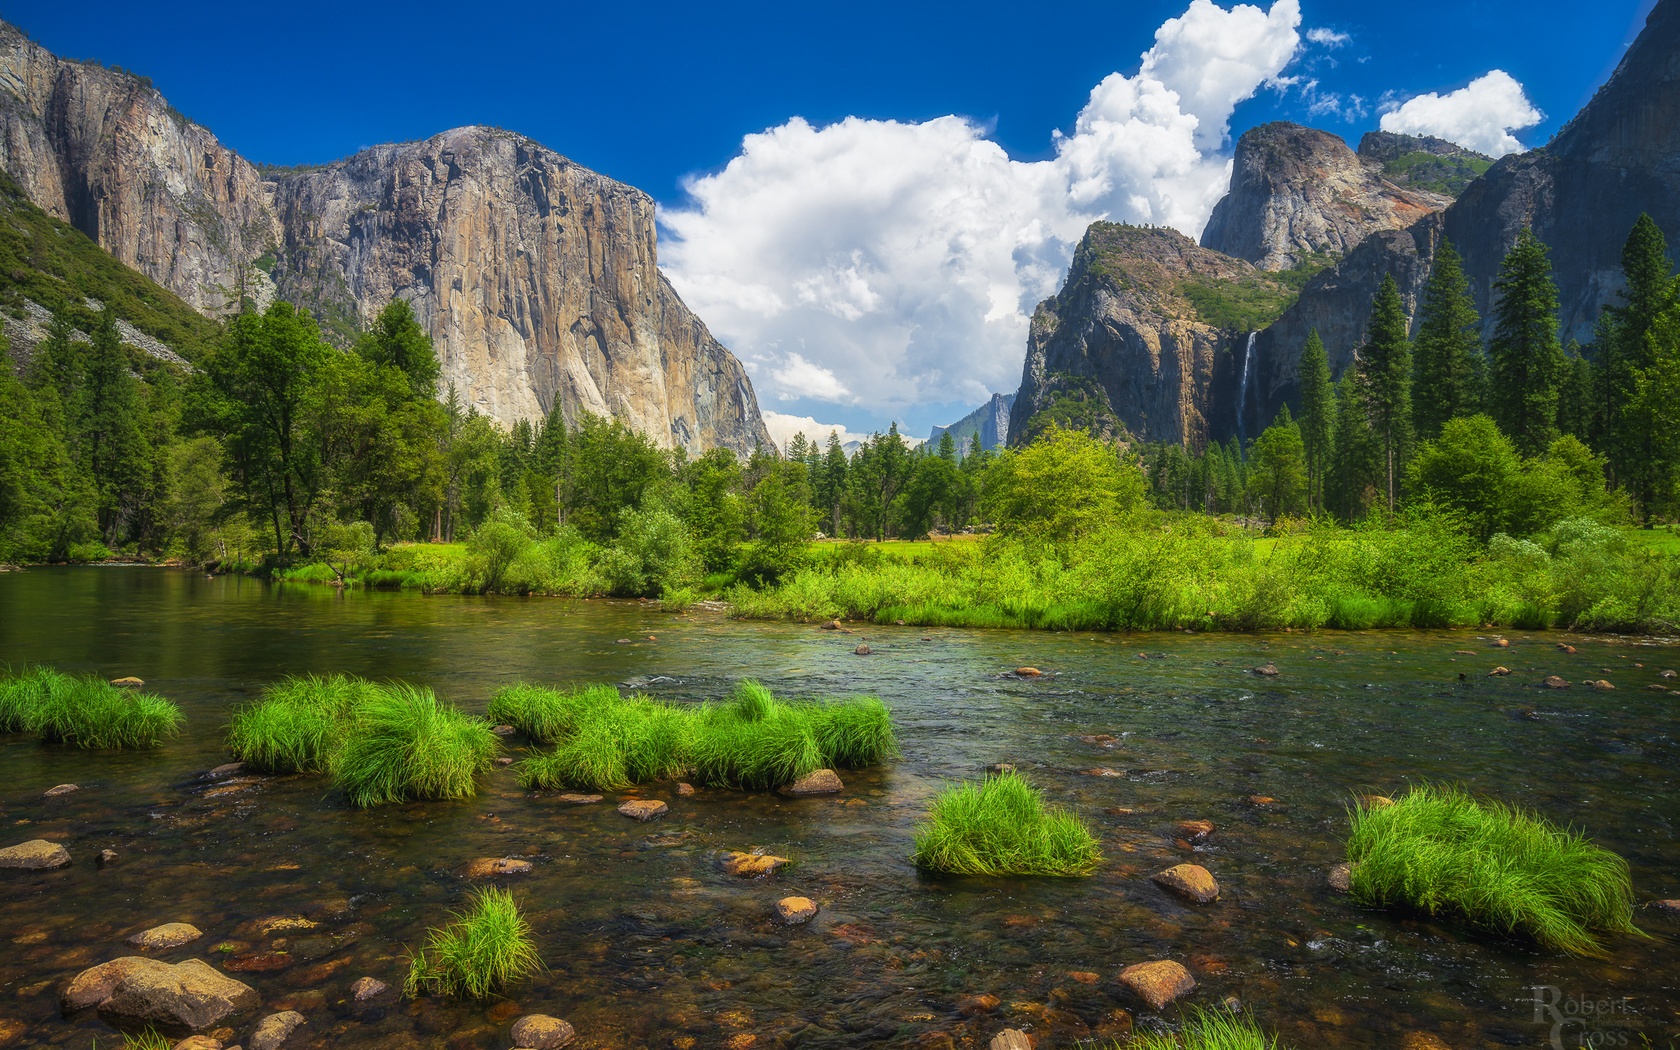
<point>648,943</point>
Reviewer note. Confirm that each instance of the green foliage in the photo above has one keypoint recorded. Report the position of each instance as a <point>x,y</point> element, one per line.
<point>1423,170</point>
<point>87,712</point>
<point>1449,368</point>
<point>1318,415</point>
<point>1059,488</point>
<point>1384,376</point>
<point>1526,363</point>
<point>855,734</point>
<point>299,724</point>
<point>653,552</point>
<point>404,744</point>
<point>1068,402</point>
<point>1206,1030</point>
<point>1001,826</point>
<point>1444,853</point>
<point>1280,471</point>
<point>487,948</point>
<point>1244,304</point>
<point>547,715</point>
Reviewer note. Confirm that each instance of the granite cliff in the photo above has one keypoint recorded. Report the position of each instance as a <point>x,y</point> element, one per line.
<point>990,421</point>
<point>537,278</point>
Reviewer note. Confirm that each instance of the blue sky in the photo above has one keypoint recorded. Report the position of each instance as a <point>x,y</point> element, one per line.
<point>866,309</point>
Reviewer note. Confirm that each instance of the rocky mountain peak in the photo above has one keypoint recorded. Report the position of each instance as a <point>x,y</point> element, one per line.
<point>1300,195</point>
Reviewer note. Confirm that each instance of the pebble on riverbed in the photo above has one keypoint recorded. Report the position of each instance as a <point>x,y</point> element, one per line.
<point>487,867</point>
<point>577,800</point>
<point>275,1029</point>
<point>795,910</point>
<point>541,1032</point>
<point>1191,881</point>
<point>169,935</point>
<point>816,782</point>
<point>643,808</point>
<point>1011,1039</point>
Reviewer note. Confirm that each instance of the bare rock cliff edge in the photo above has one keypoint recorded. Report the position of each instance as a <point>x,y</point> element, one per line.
<point>537,278</point>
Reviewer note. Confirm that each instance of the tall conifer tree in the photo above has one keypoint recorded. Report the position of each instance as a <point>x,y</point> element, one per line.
<point>1318,415</point>
<point>1525,361</point>
<point>1448,352</point>
<point>1626,430</point>
<point>1385,380</point>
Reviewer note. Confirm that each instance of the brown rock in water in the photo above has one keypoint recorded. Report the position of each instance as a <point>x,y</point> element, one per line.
<point>1599,684</point>
<point>1565,647</point>
<point>643,808</point>
<point>1422,1041</point>
<point>34,855</point>
<point>227,769</point>
<point>10,1027</point>
<point>1464,652</point>
<point>1373,801</point>
<point>169,935</point>
<point>577,800</point>
<point>751,865</point>
<point>862,649</point>
<point>260,962</point>
<point>503,730</point>
<point>1011,1039</point>
<point>1158,983</point>
<point>984,1003</point>
<point>1098,739</point>
<point>624,641</point>
<point>364,988</point>
<point>1500,643</point>
<point>898,623</point>
<point>1499,672</point>
<point>1084,976</point>
<point>816,782</point>
<point>503,761</point>
<point>95,985</point>
<point>106,857</point>
<point>1267,670</point>
<point>488,867</point>
<point>1027,672</point>
<point>541,1032</point>
<point>1668,674</point>
<point>1191,881</point>
<point>1340,878</point>
<point>1261,800</point>
<point>274,1029</point>
<point>199,1042</point>
<point>61,789</point>
<point>796,910</point>
<point>832,625</point>
<point>1672,907</point>
<point>1195,831</point>
<point>127,683</point>
<point>1552,681</point>
<point>685,790</point>
<point>188,995</point>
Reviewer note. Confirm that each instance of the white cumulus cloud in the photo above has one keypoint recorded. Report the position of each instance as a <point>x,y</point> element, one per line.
<point>886,264</point>
<point>1480,115</point>
<point>783,427</point>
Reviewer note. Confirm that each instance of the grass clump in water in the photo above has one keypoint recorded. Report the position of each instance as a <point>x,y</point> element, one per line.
<point>547,715</point>
<point>854,734</point>
<point>1206,1030</point>
<point>1442,852</point>
<point>299,724</point>
<point>1001,826</point>
<point>404,744</point>
<point>754,741</point>
<point>87,712</point>
<point>487,948</point>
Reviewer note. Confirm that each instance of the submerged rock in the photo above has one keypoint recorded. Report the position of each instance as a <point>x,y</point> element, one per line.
<point>1340,878</point>
<point>1672,907</point>
<point>832,625</point>
<point>1267,670</point>
<point>188,995</point>
<point>1565,647</point>
<point>1027,672</point>
<point>1158,983</point>
<point>984,1003</point>
<point>34,855</point>
<point>199,1042</point>
<point>1011,1039</point>
<point>503,730</point>
<point>169,935</point>
<point>685,790</point>
<point>1552,681</point>
<point>1499,672</point>
<point>796,910</point>
<point>274,1029</point>
<point>1196,831</point>
<point>1000,768</point>
<point>1599,684</point>
<point>227,769</point>
<point>128,683</point>
<point>577,800</point>
<point>541,1032</point>
<point>862,649</point>
<point>106,856</point>
<point>487,867</point>
<point>816,782</point>
<point>1189,880</point>
<point>1422,1041</point>
<point>643,808</point>
<point>1500,643</point>
<point>61,789</point>
<point>752,865</point>
<point>1261,800</point>
<point>364,988</point>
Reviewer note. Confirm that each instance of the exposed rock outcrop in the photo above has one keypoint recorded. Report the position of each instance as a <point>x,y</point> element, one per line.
<point>1298,192</point>
<point>537,278</point>
<point>1423,162</point>
<point>990,421</point>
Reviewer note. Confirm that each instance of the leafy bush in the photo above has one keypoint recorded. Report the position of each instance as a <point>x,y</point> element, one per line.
<point>1001,826</point>
<point>1441,852</point>
<point>653,551</point>
<point>486,949</point>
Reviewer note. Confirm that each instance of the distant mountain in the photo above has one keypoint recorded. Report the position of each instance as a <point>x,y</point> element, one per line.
<point>1423,162</point>
<point>990,421</point>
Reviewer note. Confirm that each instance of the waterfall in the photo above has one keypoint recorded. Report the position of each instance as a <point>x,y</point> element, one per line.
<point>1242,391</point>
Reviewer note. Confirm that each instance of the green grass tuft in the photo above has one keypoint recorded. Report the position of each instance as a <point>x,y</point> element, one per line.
<point>1440,851</point>
<point>299,724</point>
<point>547,715</point>
<point>854,734</point>
<point>487,948</point>
<point>404,744</point>
<point>774,748</point>
<point>1001,826</point>
<point>1206,1030</point>
<point>149,1039</point>
<point>87,712</point>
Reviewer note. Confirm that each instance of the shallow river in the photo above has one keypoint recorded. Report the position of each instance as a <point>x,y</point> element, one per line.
<point>648,943</point>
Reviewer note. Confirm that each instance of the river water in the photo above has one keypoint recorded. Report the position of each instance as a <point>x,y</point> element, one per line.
<point>649,944</point>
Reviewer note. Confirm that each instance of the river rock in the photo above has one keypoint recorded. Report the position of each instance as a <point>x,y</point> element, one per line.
<point>1011,1039</point>
<point>199,1042</point>
<point>832,625</point>
<point>1598,684</point>
<point>34,855</point>
<point>227,769</point>
<point>1340,878</point>
<point>503,730</point>
<point>169,935</point>
<point>685,790</point>
<point>1158,983</point>
<point>503,761</point>
<point>541,1032</point>
<point>752,865</point>
<point>1552,681</point>
<point>106,857</point>
<point>1672,907</point>
<point>577,800</point>
<point>1373,801</point>
<point>364,988</point>
<point>486,867</point>
<point>816,782</point>
<point>643,808</point>
<point>796,909</point>
<point>1261,800</point>
<point>128,683</point>
<point>274,1029</point>
<point>1565,647</point>
<point>10,1027</point>
<point>1500,643</point>
<point>862,649</point>
<point>1668,674</point>
<point>1196,831</point>
<point>1499,672</point>
<point>188,995</point>
<point>61,789</point>
<point>1028,672</point>
<point>1267,670</point>
<point>1189,880</point>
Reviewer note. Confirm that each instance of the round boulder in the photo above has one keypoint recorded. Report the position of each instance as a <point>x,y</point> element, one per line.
<point>34,855</point>
<point>274,1029</point>
<point>816,782</point>
<point>1191,881</point>
<point>1267,670</point>
<point>1552,681</point>
<point>169,935</point>
<point>541,1032</point>
<point>189,995</point>
<point>862,649</point>
<point>643,808</point>
<point>1158,983</point>
<point>796,910</point>
<point>487,867</point>
<point>364,988</point>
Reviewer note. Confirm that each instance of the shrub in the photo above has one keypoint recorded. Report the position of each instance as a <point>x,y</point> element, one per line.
<point>299,724</point>
<point>1442,852</point>
<point>404,744</point>
<point>1001,826</point>
<point>487,948</point>
<point>91,713</point>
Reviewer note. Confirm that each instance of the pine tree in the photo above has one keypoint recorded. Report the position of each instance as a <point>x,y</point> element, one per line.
<point>1448,351</point>
<point>1625,430</point>
<point>1353,455</point>
<point>835,468</point>
<point>1525,361</point>
<point>1318,413</point>
<point>1385,379</point>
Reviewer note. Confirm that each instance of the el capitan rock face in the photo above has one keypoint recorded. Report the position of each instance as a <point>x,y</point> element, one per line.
<point>537,278</point>
<point>1297,192</point>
